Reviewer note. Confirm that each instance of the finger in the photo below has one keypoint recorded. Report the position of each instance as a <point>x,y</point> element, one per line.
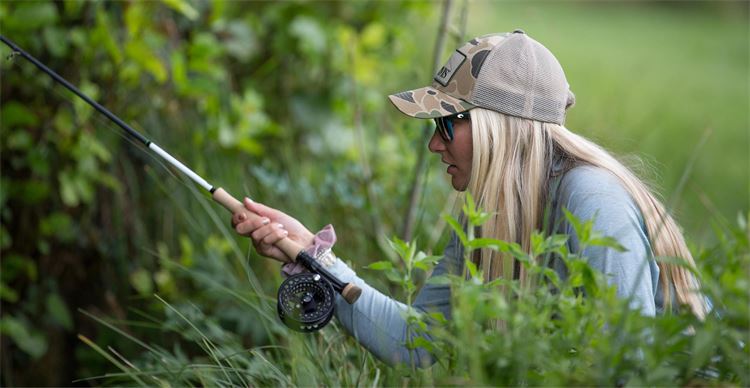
<point>238,218</point>
<point>275,236</point>
<point>251,225</point>
<point>261,233</point>
<point>271,251</point>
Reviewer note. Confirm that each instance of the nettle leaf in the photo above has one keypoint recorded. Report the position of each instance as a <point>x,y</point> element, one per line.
<point>604,241</point>
<point>479,218</point>
<point>394,276</point>
<point>425,262</point>
<point>457,228</point>
<point>380,266</point>
<point>420,342</point>
<point>582,229</point>
<point>438,317</point>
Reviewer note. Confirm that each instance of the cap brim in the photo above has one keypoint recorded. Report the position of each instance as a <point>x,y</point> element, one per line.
<point>428,103</point>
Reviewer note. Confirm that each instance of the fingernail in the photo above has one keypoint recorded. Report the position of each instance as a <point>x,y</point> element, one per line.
<point>285,233</point>
<point>266,221</point>
<point>248,200</point>
<point>241,216</point>
<point>281,226</point>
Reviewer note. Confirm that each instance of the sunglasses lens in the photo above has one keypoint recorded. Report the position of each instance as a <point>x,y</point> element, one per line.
<point>444,128</point>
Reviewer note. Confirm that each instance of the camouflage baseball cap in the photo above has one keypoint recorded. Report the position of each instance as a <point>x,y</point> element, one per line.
<point>508,73</point>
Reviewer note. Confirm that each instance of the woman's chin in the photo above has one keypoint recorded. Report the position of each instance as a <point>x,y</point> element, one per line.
<point>458,183</point>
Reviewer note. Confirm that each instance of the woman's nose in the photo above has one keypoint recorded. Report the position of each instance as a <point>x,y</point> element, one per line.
<point>436,143</point>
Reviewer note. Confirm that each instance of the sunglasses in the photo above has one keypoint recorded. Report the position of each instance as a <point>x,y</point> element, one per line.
<point>444,125</point>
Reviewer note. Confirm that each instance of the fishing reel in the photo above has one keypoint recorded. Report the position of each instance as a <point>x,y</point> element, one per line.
<point>305,302</point>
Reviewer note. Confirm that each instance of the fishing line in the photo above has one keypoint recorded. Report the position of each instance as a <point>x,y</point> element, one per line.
<point>305,301</point>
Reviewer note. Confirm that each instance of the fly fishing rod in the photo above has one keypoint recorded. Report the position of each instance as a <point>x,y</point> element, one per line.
<point>305,301</point>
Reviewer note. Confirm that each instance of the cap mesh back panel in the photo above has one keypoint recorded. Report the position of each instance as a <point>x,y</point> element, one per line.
<point>521,78</point>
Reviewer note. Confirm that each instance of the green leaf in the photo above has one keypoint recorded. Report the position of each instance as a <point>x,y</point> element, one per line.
<point>704,342</point>
<point>31,192</point>
<point>457,228</point>
<point>19,140</point>
<point>420,342</point>
<point>373,36</point>
<point>14,114</point>
<point>179,71</point>
<point>56,41</point>
<point>144,57</point>
<point>30,341</point>
<point>182,7</point>
<point>103,37</point>
<point>58,225</point>
<point>425,262</point>
<point>187,251</point>
<point>380,266</point>
<point>394,276</point>
<point>135,19</point>
<point>68,191</point>
<point>8,294</point>
<point>608,242</point>
<point>58,311</point>
<point>140,279</point>
<point>310,34</point>
<point>31,16</point>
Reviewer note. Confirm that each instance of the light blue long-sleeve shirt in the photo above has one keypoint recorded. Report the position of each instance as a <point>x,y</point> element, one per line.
<point>377,321</point>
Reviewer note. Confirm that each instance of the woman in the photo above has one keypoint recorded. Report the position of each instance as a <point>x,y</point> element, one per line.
<point>499,104</point>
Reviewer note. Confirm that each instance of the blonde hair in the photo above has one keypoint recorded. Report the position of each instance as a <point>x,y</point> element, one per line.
<point>511,168</point>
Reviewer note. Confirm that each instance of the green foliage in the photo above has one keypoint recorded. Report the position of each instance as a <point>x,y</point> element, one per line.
<point>285,102</point>
<point>501,332</point>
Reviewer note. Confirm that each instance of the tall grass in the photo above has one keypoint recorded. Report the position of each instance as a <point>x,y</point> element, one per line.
<point>550,334</point>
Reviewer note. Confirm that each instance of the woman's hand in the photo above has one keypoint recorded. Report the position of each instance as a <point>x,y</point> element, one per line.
<point>272,226</point>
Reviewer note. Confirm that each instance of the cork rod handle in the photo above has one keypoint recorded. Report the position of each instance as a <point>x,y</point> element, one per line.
<point>291,248</point>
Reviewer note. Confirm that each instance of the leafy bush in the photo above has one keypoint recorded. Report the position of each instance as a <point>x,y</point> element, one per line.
<point>546,334</point>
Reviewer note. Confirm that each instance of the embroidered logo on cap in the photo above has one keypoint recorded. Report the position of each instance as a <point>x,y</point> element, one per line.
<point>446,72</point>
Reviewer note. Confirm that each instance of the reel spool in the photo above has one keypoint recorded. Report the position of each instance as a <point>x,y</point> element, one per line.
<point>305,302</point>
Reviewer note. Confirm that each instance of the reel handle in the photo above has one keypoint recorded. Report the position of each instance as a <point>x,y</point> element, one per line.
<point>349,291</point>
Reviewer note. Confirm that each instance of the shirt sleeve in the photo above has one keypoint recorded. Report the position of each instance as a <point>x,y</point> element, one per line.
<point>377,321</point>
<point>591,193</point>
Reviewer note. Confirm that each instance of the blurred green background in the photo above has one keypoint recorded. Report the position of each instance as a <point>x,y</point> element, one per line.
<point>285,102</point>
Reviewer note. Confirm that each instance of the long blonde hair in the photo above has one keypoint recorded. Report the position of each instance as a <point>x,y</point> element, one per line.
<point>511,167</point>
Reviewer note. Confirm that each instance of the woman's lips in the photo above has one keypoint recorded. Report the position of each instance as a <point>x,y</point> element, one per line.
<point>452,169</point>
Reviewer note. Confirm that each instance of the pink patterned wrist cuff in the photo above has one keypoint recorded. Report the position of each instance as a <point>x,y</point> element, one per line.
<point>320,250</point>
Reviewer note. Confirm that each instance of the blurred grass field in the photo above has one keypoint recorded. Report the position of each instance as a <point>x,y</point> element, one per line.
<point>651,79</point>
